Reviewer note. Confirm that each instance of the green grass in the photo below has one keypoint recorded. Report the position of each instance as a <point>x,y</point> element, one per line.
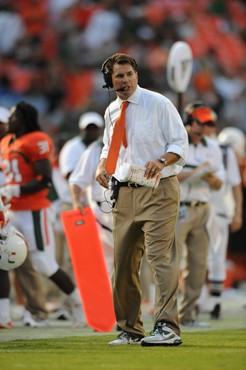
<point>210,350</point>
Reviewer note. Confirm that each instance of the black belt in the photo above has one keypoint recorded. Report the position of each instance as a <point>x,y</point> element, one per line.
<point>193,203</point>
<point>134,184</point>
<point>130,184</point>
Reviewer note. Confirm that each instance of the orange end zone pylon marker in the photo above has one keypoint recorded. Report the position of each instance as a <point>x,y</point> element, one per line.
<point>89,268</point>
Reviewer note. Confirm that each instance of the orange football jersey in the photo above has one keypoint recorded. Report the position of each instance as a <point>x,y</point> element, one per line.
<point>18,157</point>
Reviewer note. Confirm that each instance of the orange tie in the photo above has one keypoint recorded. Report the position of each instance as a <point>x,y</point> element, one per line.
<point>119,136</point>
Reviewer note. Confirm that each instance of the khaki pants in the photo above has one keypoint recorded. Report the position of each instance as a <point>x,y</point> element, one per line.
<point>192,232</point>
<point>144,217</point>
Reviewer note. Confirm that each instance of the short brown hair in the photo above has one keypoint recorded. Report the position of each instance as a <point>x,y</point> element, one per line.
<point>119,58</point>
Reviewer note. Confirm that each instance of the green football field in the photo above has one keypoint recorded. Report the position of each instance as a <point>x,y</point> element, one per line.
<point>220,349</point>
<point>58,346</point>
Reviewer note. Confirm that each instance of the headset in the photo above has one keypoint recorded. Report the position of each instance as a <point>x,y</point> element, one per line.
<point>106,74</point>
<point>107,67</point>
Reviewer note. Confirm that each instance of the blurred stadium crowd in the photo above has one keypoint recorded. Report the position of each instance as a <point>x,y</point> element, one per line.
<point>51,52</point>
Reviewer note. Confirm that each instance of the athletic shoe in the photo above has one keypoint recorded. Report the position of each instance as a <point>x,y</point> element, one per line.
<point>162,335</point>
<point>78,316</point>
<point>126,338</point>
<point>195,324</point>
<point>216,312</point>
<point>28,320</point>
<point>6,324</point>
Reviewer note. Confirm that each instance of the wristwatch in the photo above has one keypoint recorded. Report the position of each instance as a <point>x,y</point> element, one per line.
<point>163,161</point>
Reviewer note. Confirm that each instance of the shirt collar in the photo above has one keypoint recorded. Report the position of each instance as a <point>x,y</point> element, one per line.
<point>134,98</point>
<point>203,141</point>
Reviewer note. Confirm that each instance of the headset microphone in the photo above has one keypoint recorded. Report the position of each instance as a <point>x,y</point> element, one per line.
<point>113,90</point>
<point>120,89</point>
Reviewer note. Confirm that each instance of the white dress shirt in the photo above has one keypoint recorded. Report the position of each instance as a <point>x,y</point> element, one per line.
<point>153,127</point>
<point>71,151</point>
<point>84,172</point>
<point>206,151</point>
<point>84,177</point>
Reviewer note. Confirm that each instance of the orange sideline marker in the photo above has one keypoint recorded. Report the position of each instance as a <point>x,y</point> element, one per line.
<point>89,268</point>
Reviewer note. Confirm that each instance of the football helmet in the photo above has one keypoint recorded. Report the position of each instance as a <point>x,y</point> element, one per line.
<point>13,248</point>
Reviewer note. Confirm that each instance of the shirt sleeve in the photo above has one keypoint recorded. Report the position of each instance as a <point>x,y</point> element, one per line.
<point>69,155</point>
<point>106,136</point>
<point>175,133</point>
<point>84,172</point>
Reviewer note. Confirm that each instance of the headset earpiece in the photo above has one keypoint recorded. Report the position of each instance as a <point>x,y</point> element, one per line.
<point>106,74</point>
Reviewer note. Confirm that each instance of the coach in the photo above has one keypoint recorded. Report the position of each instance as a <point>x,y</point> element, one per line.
<point>143,128</point>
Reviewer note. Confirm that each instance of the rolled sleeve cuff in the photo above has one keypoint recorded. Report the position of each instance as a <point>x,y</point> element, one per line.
<point>104,154</point>
<point>177,150</point>
<point>80,184</point>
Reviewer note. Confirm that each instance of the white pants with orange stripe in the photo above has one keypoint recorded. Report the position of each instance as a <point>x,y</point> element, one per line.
<point>36,226</point>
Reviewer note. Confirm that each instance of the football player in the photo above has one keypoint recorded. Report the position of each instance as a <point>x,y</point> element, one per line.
<point>26,152</point>
<point>34,312</point>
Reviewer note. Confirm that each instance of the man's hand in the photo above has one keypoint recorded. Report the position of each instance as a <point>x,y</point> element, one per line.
<point>156,166</point>
<point>153,168</point>
<point>8,192</point>
<point>79,205</point>
<point>76,194</point>
<point>213,181</point>
<point>101,174</point>
<point>236,223</point>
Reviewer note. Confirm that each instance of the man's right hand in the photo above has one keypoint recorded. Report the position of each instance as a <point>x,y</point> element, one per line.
<point>101,174</point>
<point>77,194</point>
<point>79,205</point>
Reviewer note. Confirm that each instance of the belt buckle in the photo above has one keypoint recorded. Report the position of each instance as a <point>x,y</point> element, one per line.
<point>193,203</point>
<point>132,185</point>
